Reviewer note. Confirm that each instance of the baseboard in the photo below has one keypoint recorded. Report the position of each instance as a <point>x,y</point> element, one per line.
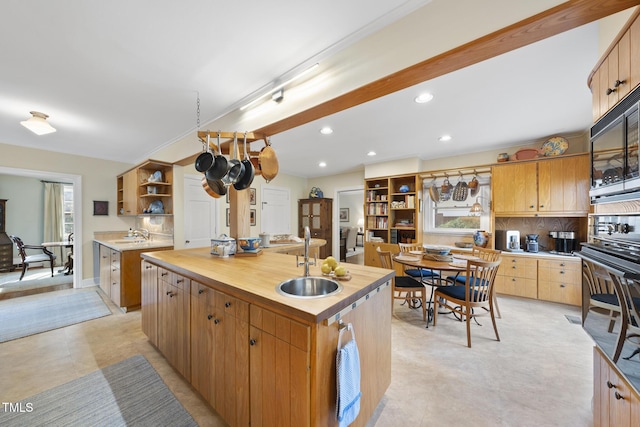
<point>91,281</point>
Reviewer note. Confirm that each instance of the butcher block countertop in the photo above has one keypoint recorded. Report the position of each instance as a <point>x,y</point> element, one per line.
<point>255,278</point>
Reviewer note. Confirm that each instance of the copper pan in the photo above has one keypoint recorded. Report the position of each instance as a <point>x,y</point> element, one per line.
<point>268,161</point>
<point>214,187</point>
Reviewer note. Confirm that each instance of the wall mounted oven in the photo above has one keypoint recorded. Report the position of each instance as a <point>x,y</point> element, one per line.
<point>614,153</point>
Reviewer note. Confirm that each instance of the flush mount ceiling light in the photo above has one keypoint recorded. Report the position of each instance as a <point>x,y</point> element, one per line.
<point>38,124</point>
<point>326,130</point>
<point>444,138</point>
<point>423,98</point>
<point>322,164</point>
<point>371,153</point>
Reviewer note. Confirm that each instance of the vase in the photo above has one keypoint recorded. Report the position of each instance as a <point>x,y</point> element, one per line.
<point>481,238</point>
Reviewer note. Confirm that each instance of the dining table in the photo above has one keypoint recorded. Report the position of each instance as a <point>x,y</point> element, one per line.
<point>457,265</point>
<point>68,265</point>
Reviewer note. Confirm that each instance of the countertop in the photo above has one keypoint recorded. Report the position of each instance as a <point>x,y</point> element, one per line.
<point>126,245</point>
<point>254,279</point>
<point>539,254</point>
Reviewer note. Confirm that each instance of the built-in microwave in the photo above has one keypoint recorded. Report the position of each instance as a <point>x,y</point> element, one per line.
<point>614,152</point>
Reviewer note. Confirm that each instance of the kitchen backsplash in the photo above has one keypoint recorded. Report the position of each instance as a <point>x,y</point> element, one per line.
<point>542,226</point>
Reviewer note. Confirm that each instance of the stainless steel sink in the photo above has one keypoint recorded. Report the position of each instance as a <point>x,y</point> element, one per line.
<point>308,287</point>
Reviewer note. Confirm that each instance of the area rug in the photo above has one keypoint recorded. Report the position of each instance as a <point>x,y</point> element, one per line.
<point>128,393</point>
<point>21,317</point>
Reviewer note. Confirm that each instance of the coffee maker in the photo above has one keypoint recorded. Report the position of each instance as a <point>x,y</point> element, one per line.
<point>565,241</point>
<point>508,240</point>
<point>532,243</point>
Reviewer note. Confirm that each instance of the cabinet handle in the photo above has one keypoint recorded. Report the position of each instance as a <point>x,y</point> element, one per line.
<point>210,316</point>
<point>610,91</point>
<point>561,271</point>
<point>562,264</point>
<point>148,267</point>
<point>618,396</point>
<point>562,285</point>
<point>227,304</point>
<point>610,384</point>
<point>513,279</point>
<point>542,206</point>
<point>200,291</point>
<point>179,280</point>
<point>216,321</point>
<point>104,256</point>
<point>531,207</point>
<point>618,83</point>
<point>164,274</point>
<point>513,260</point>
<point>252,341</point>
<point>514,267</point>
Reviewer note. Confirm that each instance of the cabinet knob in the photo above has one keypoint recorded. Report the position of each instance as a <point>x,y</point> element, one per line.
<point>227,304</point>
<point>562,264</point>
<point>148,267</point>
<point>252,341</point>
<point>200,291</point>
<point>164,274</point>
<point>210,316</point>
<point>610,385</point>
<point>610,91</point>
<point>561,271</point>
<point>531,207</point>
<point>513,279</point>
<point>179,280</point>
<point>618,83</point>
<point>562,285</point>
<point>514,267</point>
<point>542,206</point>
<point>216,321</point>
<point>618,396</point>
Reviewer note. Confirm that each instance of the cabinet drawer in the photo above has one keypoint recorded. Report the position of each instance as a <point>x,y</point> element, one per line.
<point>202,291</point>
<point>559,264</point>
<point>180,282</point>
<point>559,275</point>
<point>281,327</point>
<point>232,306</point>
<point>115,258</point>
<point>517,286</point>
<point>165,275</point>
<point>518,267</point>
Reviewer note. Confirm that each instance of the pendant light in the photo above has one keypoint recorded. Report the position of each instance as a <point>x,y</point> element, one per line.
<point>38,124</point>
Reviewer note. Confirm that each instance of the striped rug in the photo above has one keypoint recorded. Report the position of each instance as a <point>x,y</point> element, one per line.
<point>125,394</point>
<point>21,317</point>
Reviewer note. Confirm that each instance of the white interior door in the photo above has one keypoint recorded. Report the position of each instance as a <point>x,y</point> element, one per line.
<point>200,214</point>
<point>276,210</point>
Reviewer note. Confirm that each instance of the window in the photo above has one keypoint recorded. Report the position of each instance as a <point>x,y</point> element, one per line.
<point>453,217</point>
<point>68,209</point>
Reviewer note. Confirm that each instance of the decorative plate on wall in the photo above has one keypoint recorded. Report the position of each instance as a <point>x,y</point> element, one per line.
<point>555,146</point>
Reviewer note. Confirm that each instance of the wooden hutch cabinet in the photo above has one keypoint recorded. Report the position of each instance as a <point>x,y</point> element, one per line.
<point>6,245</point>
<point>317,215</point>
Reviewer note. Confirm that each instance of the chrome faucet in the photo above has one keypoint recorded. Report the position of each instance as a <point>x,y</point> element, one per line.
<point>143,232</point>
<point>306,262</point>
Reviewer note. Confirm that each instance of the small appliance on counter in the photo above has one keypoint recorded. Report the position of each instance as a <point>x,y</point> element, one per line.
<point>508,240</point>
<point>532,243</point>
<point>565,242</point>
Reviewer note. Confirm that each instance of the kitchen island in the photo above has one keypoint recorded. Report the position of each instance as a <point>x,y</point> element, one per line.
<point>259,357</point>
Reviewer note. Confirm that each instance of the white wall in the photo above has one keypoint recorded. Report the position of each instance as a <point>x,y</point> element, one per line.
<point>25,208</point>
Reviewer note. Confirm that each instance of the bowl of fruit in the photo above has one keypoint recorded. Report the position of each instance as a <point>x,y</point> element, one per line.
<point>331,267</point>
<point>249,244</point>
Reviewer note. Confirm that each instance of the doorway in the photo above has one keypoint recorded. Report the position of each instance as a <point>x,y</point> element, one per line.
<point>75,181</point>
<point>275,217</point>
<point>349,215</point>
<point>200,214</point>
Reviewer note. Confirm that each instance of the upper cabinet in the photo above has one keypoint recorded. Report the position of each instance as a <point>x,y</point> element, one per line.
<point>317,215</point>
<point>618,72</point>
<point>146,189</point>
<point>548,187</point>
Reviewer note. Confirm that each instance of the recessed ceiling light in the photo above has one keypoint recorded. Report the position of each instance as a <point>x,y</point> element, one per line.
<point>423,97</point>
<point>371,153</point>
<point>444,138</point>
<point>322,164</point>
<point>326,130</point>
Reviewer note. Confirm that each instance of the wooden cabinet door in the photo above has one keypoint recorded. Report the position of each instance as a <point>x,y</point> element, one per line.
<point>624,65</point>
<point>615,404</point>
<point>173,326</point>
<point>563,185</point>
<point>105,270</point>
<point>595,95</point>
<point>130,192</point>
<point>115,278</point>
<point>279,366</point>
<point>514,188</point>
<point>317,215</point>
<point>612,65</point>
<point>149,301</point>
<point>203,350</point>
<point>634,55</point>
<point>603,73</point>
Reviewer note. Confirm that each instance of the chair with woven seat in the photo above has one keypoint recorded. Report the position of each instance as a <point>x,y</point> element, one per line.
<point>477,292</point>
<point>602,296</point>
<point>414,289</point>
<point>44,256</point>
<point>484,254</point>
<point>628,292</point>
<point>424,275</point>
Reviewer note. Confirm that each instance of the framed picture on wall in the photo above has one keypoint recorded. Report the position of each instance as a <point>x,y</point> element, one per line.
<point>344,214</point>
<point>252,196</point>
<point>252,217</point>
<point>100,207</point>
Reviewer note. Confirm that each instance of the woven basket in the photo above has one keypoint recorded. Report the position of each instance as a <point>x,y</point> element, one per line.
<point>441,258</point>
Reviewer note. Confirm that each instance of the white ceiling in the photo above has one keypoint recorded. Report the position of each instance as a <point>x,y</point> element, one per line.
<point>119,80</point>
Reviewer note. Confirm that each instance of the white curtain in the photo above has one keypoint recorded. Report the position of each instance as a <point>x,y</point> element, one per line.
<point>53,216</point>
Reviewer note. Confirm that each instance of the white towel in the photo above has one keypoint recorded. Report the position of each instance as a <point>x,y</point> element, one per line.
<point>348,381</point>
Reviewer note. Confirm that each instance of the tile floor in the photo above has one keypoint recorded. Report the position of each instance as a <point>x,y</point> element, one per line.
<point>540,374</point>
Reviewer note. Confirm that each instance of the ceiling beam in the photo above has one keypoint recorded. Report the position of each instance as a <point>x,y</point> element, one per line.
<point>561,18</point>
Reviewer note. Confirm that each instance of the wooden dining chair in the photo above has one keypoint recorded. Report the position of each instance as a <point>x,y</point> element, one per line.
<point>477,292</point>
<point>422,273</point>
<point>413,289</point>
<point>602,295</point>
<point>628,292</point>
<point>44,256</point>
<point>484,254</point>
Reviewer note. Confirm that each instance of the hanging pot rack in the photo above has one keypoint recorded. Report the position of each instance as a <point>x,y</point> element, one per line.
<point>460,172</point>
<point>226,139</point>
